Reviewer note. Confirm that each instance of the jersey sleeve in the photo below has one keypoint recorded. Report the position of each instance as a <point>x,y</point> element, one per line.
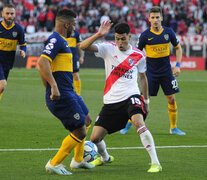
<point>79,38</point>
<point>142,65</point>
<point>51,49</point>
<point>175,42</point>
<point>102,49</point>
<point>21,39</point>
<point>141,42</point>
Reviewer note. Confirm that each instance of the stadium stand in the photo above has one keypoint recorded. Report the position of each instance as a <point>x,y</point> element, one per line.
<point>184,16</point>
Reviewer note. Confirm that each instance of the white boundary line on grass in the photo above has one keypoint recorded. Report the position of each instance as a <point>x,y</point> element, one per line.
<point>111,148</point>
<point>92,79</point>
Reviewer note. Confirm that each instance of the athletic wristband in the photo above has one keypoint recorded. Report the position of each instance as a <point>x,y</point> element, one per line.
<point>177,64</point>
<point>146,101</point>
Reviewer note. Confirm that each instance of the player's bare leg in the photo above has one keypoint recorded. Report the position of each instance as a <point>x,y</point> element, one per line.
<point>97,137</point>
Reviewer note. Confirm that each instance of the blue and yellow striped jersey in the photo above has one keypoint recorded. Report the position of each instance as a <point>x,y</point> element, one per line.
<point>9,38</point>
<point>58,52</point>
<point>73,41</point>
<point>157,47</point>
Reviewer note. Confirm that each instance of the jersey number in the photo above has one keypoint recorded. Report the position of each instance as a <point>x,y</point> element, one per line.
<point>135,100</point>
<point>175,84</point>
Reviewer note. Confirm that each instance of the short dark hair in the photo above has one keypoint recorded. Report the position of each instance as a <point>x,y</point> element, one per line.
<point>122,28</point>
<point>9,6</point>
<point>65,14</point>
<point>156,9</point>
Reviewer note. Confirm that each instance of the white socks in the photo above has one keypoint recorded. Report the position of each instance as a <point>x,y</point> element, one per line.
<point>102,150</point>
<point>148,143</point>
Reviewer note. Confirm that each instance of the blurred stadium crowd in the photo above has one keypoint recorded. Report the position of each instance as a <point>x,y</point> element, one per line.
<point>184,16</point>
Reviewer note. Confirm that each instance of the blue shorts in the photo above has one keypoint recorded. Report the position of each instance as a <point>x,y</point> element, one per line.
<point>168,83</point>
<point>71,110</point>
<point>3,73</point>
<point>76,65</point>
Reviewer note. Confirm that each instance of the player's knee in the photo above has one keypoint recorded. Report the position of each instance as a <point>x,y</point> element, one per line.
<point>138,121</point>
<point>80,133</point>
<point>76,76</point>
<point>171,99</point>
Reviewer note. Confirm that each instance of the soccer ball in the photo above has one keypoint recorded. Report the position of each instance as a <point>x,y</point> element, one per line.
<point>90,151</point>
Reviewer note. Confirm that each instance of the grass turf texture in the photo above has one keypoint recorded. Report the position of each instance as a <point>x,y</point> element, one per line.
<point>26,123</point>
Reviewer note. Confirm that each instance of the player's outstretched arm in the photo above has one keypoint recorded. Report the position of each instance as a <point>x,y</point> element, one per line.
<point>103,30</point>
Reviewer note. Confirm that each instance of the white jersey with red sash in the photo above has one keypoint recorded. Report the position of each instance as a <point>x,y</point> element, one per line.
<point>122,68</point>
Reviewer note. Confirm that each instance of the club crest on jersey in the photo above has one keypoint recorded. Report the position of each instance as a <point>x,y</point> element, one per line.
<point>131,61</point>
<point>14,34</point>
<point>166,36</point>
<point>76,116</point>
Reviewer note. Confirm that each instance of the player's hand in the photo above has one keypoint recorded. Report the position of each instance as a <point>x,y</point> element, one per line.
<point>55,94</point>
<point>104,28</point>
<point>22,53</point>
<point>81,59</point>
<point>176,71</point>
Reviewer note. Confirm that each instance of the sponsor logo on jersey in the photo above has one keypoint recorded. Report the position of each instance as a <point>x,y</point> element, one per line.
<point>149,39</point>
<point>49,46</point>
<point>47,51</point>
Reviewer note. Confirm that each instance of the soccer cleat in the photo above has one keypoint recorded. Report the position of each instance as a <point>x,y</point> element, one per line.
<point>58,169</point>
<point>98,161</point>
<point>155,168</point>
<point>176,131</point>
<point>83,164</point>
<point>126,129</point>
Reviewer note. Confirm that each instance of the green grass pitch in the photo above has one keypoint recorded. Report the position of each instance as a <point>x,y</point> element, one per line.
<point>25,123</point>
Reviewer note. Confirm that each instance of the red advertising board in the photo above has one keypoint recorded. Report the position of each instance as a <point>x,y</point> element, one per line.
<point>190,63</point>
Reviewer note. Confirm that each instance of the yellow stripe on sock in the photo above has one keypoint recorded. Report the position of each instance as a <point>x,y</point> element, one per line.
<point>67,146</point>
<point>172,112</point>
<point>0,95</point>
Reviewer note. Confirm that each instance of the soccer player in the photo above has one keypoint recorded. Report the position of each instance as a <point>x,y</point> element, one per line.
<point>56,73</point>
<point>156,41</point>
<point>122,99</point>
<point>78,58</point>
<point>11,34</point>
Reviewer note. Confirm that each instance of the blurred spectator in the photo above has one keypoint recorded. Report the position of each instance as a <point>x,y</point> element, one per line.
<point>41,20</point>
<point>105,17</point>
<point>50,20</point>
<point>191,29</point>
<point>30,29</point>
